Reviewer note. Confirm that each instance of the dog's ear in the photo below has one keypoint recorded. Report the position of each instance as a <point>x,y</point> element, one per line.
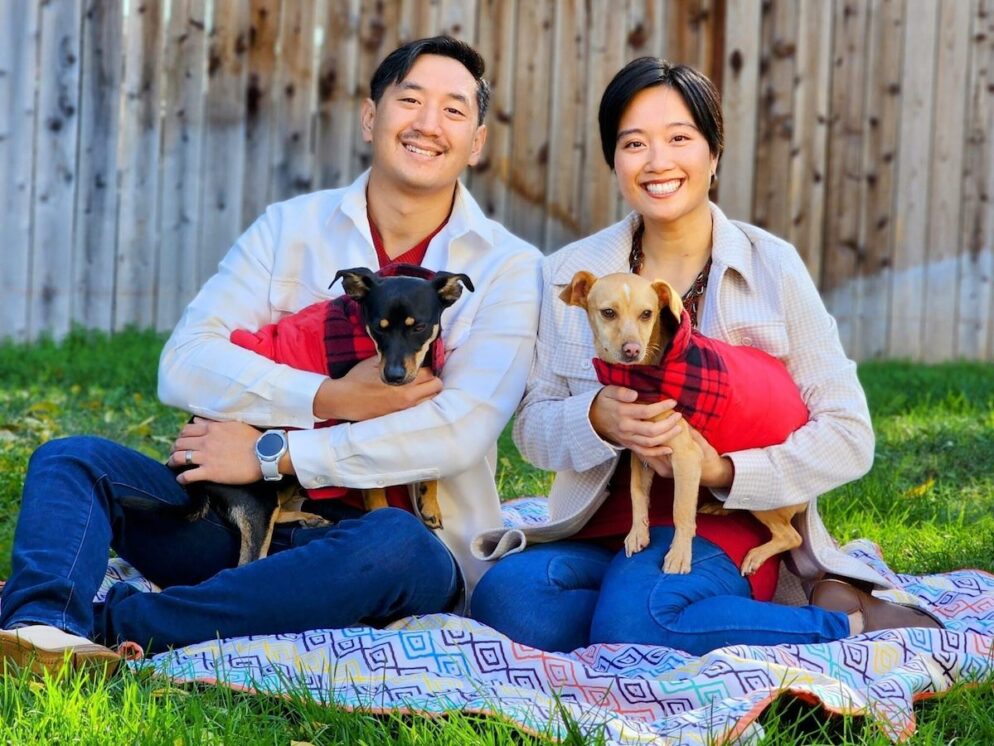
<point>447,285</point>
<point>669,299</point>
<point>357,282</point>
<point>575,294</point>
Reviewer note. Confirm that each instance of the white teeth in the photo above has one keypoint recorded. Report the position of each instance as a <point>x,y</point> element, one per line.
<point>667,187</point>
<point>419,151</point>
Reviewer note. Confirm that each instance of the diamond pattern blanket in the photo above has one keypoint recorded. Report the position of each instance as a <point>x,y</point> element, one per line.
<point>630,694</point>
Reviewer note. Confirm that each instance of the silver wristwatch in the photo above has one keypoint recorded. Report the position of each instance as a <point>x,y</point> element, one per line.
<point>269,448</point>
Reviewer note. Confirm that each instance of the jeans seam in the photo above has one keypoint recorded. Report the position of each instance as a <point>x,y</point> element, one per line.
<point>79,549</point>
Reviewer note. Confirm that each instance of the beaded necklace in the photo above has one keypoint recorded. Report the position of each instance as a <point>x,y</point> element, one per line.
<point>691,299</point>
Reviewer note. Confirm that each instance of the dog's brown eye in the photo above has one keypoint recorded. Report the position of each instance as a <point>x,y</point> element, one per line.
<point>608,313</point>
<point>646,315</point>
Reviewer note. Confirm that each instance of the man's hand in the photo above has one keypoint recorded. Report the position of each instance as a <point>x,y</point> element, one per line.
<point>361,395</point>
<point>617,417</point>
<point>223,452</point>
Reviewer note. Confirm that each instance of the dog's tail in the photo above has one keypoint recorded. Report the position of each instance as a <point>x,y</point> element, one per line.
<point>194,509</point>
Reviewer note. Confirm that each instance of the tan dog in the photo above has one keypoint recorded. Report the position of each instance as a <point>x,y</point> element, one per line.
<point>632,320</point>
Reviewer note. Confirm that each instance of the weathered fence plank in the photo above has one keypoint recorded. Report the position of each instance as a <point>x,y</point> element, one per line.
<point>180,186</point>
<point>337,117</point>
<point>739,95</point>
<point>947,179</point>
<point>530,122</point>
<point>18,66</point>
<point>976,257</point>
<point>495,34</point>
<point>876,236</point>
<point>94,248</point>
<point>809,134</point>
<point>562,192</point>
<point>55,168</point>
<point>224,141</point>
<point>913,178</point>
<point>137,238</point>
<point>261,147</point>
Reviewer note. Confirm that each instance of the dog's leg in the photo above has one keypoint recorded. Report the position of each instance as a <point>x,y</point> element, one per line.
<point>784,536</point>
<point>686,460</point>
<point>374,498</point>
<point>255,535</point>
<point>641,481</point>
<point>311,520</point>
<point>431,514</point>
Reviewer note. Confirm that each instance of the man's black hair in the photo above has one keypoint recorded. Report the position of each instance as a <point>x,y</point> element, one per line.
<point>695,88</point>
<point>399,62</point>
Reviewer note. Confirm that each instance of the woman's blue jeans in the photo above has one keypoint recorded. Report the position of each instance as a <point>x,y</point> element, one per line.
<point>570,594</point>
<point>369,568</point>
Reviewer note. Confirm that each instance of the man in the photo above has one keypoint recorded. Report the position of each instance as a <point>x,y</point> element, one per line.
<point>424,121</point>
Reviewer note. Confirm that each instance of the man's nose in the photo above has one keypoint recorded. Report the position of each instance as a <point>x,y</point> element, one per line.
<point>428,121</point>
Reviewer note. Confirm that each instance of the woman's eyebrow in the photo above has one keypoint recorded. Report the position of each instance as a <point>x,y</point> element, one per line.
<point>639,131</point>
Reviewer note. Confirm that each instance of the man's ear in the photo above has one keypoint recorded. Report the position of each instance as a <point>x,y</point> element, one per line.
<point>479,140</point>
<point>575,294</point>
<point>367,115</point>
<point>669,299</point>
<point>357,282</point>
<point>447,286</point>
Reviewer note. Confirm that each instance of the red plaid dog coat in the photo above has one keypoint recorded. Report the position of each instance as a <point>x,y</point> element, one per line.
<point>328,337</point>
<point>736,397</point>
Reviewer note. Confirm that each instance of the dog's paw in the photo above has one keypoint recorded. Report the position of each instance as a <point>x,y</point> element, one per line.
<point>637,540</point>
<point>314,522</point>
<point>677,561</point>
<point>431,520</point>
<point>752,562</point>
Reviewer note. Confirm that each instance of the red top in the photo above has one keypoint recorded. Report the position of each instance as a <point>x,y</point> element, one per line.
<point>397,494</point>
<point>735,533</point>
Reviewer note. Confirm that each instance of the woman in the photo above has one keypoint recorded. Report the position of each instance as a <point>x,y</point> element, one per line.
<point>661,132</point>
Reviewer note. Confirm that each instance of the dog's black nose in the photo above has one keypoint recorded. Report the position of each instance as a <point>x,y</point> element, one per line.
<point>394,374</point>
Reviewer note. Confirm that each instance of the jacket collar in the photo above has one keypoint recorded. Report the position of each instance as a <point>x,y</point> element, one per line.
<point>466,217</point>
<point>607,251</point>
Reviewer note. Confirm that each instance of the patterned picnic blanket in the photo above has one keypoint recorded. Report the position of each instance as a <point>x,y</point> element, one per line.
<point>631,694</point>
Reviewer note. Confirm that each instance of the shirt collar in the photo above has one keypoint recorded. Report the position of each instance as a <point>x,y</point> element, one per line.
<point>608,250</point>
<point>466,217</point>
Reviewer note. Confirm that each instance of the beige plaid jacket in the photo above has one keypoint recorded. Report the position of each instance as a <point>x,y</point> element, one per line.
<point>759,293</point>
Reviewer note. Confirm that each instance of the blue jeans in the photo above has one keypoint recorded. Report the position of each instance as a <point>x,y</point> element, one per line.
<point>570,594</point>
<point>369,568</point>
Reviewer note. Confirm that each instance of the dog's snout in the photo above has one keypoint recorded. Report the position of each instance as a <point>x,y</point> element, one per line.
<point>394,374</point>
<point>631,351</point>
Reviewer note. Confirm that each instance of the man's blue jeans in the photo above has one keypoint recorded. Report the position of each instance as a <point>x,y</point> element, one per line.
<point>370,568</point>
<point>570,594</point>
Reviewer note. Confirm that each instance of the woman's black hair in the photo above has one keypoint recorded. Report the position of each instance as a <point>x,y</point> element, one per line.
<point>695,88</point>
<point>399,62</point>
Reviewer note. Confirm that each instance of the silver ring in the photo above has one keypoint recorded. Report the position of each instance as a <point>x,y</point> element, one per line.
<point>188,460</point>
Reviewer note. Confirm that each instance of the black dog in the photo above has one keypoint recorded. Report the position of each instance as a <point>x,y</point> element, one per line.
<point>401,315</point>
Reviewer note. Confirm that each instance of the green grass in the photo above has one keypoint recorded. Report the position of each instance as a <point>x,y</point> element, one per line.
<point>929,503</point>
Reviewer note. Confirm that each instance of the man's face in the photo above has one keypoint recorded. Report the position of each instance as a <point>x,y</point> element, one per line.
<point>424,129</point>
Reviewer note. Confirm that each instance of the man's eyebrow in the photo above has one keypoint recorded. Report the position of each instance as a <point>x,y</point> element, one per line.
<point>408,85</point>
<point>639,131</point>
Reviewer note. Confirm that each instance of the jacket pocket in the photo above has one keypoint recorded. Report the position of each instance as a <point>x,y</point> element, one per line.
<point>768,336</point>
<point>573,362</point>
<point>289,296</point>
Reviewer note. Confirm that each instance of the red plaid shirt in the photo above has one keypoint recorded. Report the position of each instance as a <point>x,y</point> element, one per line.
<point>737,398</point>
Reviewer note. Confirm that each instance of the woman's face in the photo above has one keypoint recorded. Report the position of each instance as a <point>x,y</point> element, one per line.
<point>662,161</point>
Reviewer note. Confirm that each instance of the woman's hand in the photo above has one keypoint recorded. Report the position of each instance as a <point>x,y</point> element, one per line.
<point>617,417</point>
<point>223,452</point>
<point>717,471</point>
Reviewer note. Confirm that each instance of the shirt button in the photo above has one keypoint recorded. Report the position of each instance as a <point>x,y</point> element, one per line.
<point>586,364</point>
<point>747,340</point>
<point>381,483</point>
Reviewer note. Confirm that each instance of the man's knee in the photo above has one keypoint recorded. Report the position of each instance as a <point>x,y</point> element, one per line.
<point>86,450</point>
<point>402,536</point>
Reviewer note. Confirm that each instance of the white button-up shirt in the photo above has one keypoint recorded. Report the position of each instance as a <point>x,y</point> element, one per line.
<point>286,261</point>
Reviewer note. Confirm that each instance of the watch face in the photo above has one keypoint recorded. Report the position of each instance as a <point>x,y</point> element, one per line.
<point>269,445</point>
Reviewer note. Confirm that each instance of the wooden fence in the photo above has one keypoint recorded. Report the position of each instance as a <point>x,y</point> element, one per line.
<point>139,137</point>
